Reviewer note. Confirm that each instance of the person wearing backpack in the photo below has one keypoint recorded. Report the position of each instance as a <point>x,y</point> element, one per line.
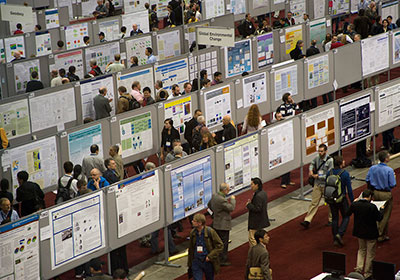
<point>338,184</point>
<point>125,101</point>
<point>67,185</point>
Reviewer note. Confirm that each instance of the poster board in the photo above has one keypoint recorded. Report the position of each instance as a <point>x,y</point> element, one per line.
<point>369,48</point>
<point>67,59</point>
<point>74,35</point>
<point>238,59</point>
<point>390,9</point>
<point>136,47</point>
<point>318,75</point>
<point>347,73</point>
<point>318,30</point>
<point>87,7</point>
<point>292,35</point>
<point>217,104</point>
<point>133,6</point>
<point>13,44</point>
<point>213,8</point>
<point>145,76</point>
<point>204,60</point>
<point>43,43</point>
<point>265,50</point>
<point>387,106</point>
<point>168,44</point>
<point>23,71</point>
<point>110,28</point>
<point>51,18</point>
<point>104,54</point>
<point>172,72</point>
<point>395,51</point>
<point>319,8</point>
<point>238,7</point>
<point>139,18</point>
<point>15,118</point>
<point>339,7</point>
<point>298,8</point>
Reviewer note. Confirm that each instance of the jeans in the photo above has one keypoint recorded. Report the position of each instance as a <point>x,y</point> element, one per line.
<point>335,209</point>
<point>199,268</point>
<point>154,242</point>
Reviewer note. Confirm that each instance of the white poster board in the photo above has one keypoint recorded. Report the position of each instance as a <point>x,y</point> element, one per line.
<point>317,71</point>
<point>390,9</point>
<point>298,8</point>
<point>238,7</point>
<point>389,105</point>
<point>260,3</point>
<point>217,105</point>
<point>74,35</point>
<point>180,111</point>
<point>285,80</point>
<point>168,44</point>
<point>175,72</point>
<point>88,7</point>
<point>79,142</point>
<point>110,29</point>
<point>133,6</point>
<point>137,47</point>
<point>340,7</point>
<point>23,71</point>
<point>396,47</point>
<point>51,18</point>
<point>13,44</point>
<point>378,44</point>
<point>139,18</point>
<point>144,76</point>
<point>43,43</point>
<point>319,8</point>
<point>104,54</point>
<point>254,89</point>
<point>15,118</point>
<point>67,59</point>
<point>207,61</point>
<point>280,144</point>
<point>214,8</point>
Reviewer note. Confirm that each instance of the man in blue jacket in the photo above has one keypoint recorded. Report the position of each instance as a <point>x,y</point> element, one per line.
<point>97,182</point>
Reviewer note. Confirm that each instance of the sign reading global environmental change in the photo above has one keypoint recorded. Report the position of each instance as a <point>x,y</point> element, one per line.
<point>223,37</point>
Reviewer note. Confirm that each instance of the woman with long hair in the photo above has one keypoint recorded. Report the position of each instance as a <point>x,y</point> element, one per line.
<point>252,121</point>
<point>207,140</point>
<point>168,135</point>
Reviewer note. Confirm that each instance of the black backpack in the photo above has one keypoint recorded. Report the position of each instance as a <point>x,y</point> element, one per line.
<point>333,188</point>
<point>196,138</point>
<point>63,193</point>
<point>133,104</point>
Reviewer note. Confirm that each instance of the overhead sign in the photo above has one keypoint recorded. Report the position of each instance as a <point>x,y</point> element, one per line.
<point>16,13</point>
<point>221,36</point>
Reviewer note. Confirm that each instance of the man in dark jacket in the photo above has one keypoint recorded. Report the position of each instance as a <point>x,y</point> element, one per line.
<point>313,50</point>
<point>362,24</point>
<point>34,84</point>
<point>110,174</point>
<point>29,194</point>
<point>229,131</point>
<point>365,229</point>
<point>248,26</point>
<point>101,104</point>
<point>297,53</point>
<point>190,125</point>
<point>257,206</point>
<point>258,255</point>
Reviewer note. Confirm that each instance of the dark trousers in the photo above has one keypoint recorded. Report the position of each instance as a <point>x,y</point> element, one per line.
<point>327,97</point>
<point>154,242</point>
<point>387,138</point>
<point>83,269</point>
<point>224,235</point>
<point>335,209</point>
<point>361,149</point>
<point>285,179</point>
<point>200,268</point>
<point>313,103</point>
<point>119,259</point>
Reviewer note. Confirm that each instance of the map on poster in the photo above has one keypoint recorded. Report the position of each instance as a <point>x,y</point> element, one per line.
<point>389,105</point>
<point>339,6</point>
<point>67,59</point>
<point>110,29</point>
<point>320,129</point>
<point>20,249</point>
<point>285,81</point>
<point>318,30</point>
<point>180,111</point>
<point>13,44</point>
<point>238,7</point>
<point>217,105</point>
<point>214,8</point>
<point>254,89</point>
<point>168,44</point>
<point>51,18</point>
<point>144,76</point>
<point>292,35</point>
<point>77,228</point>
<point>207,61</point>
<point>191,187</point>
<point>298,8</point>
<point>59,107</point>
<point>137,47</point>
<point>241,162</point>
<point>15,118</point>
<point>175,72</point>
<point>103,54</point>
<point>79,142</point>
<point>396,47</point>
<point>23,71</point>
<point>238,59</point>
<point>74,35</point>
<point>43,43</point>
<point>355,120</point>
<point>280,144</point>
<point>136,134</point>
<point>141,19</point>
<point>265,49</point>
<point>369,48</point>
<point>318,71</point>
<point>138,203</point>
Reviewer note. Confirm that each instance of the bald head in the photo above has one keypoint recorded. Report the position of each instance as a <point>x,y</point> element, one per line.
<point>95,173</point>
<point>226,120</point>
<point>134,27</point>
<point>17,55</point>
<point>224,188</point>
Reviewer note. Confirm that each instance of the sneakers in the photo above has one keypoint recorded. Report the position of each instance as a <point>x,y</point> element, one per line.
<point>283,186</point>
<point>305,224</point>
<point>339,239</point>
<point>292,183</point>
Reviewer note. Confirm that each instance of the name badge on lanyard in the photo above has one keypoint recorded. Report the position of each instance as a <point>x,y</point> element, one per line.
<point>200,249</point>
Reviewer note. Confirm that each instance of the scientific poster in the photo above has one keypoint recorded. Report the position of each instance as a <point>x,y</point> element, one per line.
<point>280,144</point>
<point>265,49</point>
<point>254,89</point>
<point>260,3</point>
<point>319,8</point>
<point>87,7</point>
<point>355,120</point>
<point>144,76</point>
<point>238,59</point>
<point>389,104</point>
<point>136,134</point>
<point>74,35</point>
<point>51,18</point>
<point>104,54</point>
<point>138,203</point>
<point>292,35</point>
<point>207,61</point>
<point>318,71</point>
<point>43,43</point>
<point>339,6</point>
<point>2,52</point>
<point>15,118</point>
<point>214,8</point>
<point>59,107</point>
<point>67,59</point>
<point>90,88</point>
<point>79,142</point>
<point>38,158</point>
<point>320,129</point>
<point>318,30</point>
<point>12,45</point>
<point>241,162</point>
<point>23,71</point>
<point>25,27</point>
<point>77,229</point>
<point>133,6</point>
<point>137,47</point>
<point>354,6</point>
<point>68,3</point>
<point>390,9</point>
<point>162,11</point>
<point>110,28</point>
<point>238,7</point>
<point>180,111</point>
<point>369,48</point>
<point>298,8</point>
<point>396,47</point>
<point>175,72</point>
<point>168,44</point>
<point>20,249</point>
<point>191,187</point>
<point>285,81</point>
<point>139,18</point>
<point>217,105</point>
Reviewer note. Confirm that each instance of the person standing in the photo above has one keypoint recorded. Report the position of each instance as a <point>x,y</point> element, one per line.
<point>92,161</point>
<point>381,179</point>
<point>101,103</point>
<point>190,125</point>
<point>222,207</point>
<point>258,256</point>
<point>113,152</point>
<point>229,131</point>
<point>29,194</point>
<point>257,206</point>
<point>110,174</point>
<point>150,56</point>
<point>168,135</point>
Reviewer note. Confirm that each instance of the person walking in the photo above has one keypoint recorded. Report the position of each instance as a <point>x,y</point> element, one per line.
<point>258,257</point>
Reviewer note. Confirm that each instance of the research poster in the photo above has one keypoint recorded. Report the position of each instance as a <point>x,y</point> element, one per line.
<point>191,187</point>
<point>136,134</point>
<point>292,35</point>
<point>133,6</point>
<point>51,18</point>
<point>285,81</point>
<point>276,2</point>
<point>369,48</point>
<point>23,71</point>
<point>318,30</point>
<point>355,120</point>
<point>67,59</point>
<point>15,118</point>
<point>87,7</point>
<point>2,52</point>
<point>280,144</point>
<point>168,44</point>
<point>396,47</point>
<point>25,26</point>
<point>43,43</point>
<point>141,19</point>
<point>217,105</point>
<point>339,6</point>
<point>38,158</point>
<point>260,3</point>
<point>79,142</point>
<point>389,105</point>
<point>162,10</point>
<point>110,28</point>
<point>265,49</point>
<point>207,61</point>
<point>180,111</point>
<point>390,9</point>
<point>59,107</point>
<point>144,76</point>
<point>68,3</point>
<point>138,203</point>
<point>13,44</point>
<point>254,89</point>
<point>320,129</point>
<point>175,72</point>
<point>319,8</point>
<point>90,88</point>
<point>238,7</point>
<point>354,6</point>
<point>74,35</point>
<point>298,8</point>
<point>77,229</point>
<point>238,59</point>
<point>214,8</point>
<point>20,249</point>
<point>137,47</point>
<point>104,54</point>
<point>318,71</point>
<point>241,162</point>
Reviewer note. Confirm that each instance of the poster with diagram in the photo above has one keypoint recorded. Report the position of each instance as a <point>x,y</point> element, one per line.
<point>285,80</point>
<point>136,134</point>
<point>207,61</point>
<point>137,47</point>
<point>144,76</point>
<point>238,7</point>
<point>254,89</point>
<point>298,8</point>
<point>280,144</point>
<point>318,71</point>
<point>51,18</point>
<point>110,28</point>
<point>339,7</point>
<point>292,35</point>
<point>15,118</point>
<point>180,111</point>
<point>378,44</point>
<point>389,104</point>
<point>13,44</point>
<point>169,44</point>
<point>141,19</point>
<point>238,59</point>
<point>132,6</point>
<point>318,30</point>
<point>74,35</point>
<point>265,49</point>
<point>104,54</point>
<point>67,59</point>
<point>396,47</point>
<point>214,8</point>
<point>320,129</point>
<point>43,43</point>
<point>217,105</point>
<point>23,71</point>
<point>175,72</point>
<point>79,142</point>
<point>2,52</point>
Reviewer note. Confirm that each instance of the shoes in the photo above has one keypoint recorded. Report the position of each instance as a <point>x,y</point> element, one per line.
<point>336,244</point>
<point>283,186</point>
<point>229,241</point>
<point>305,224</point>
<point>292,183</point>
<point>339,239</point>
<point>79,276</point>
<point>225,264</point>
<point>383,239</point>
<point>329,224</point>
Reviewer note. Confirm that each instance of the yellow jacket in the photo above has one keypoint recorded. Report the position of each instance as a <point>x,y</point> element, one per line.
<point>4,139</point>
